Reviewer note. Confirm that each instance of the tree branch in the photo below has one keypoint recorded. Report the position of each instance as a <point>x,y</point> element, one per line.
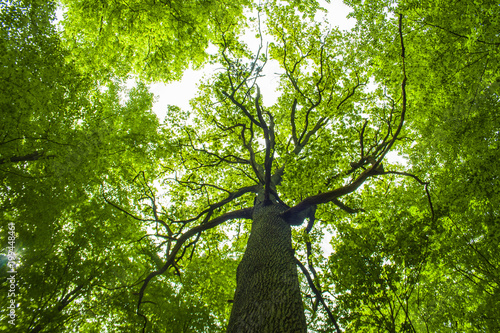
<point>270,142</point>
<point>234,160</point>
<point>292,123</point>
<point>403,93</point>
<point>318,294</point>
<point>245,213</point>
<point>25,158</point>
<point>328,196</point>
<point>457,34</point>
<point>231,196</point>
<point>336,193</point>
<point>242,108</point>
<point>345,208</point>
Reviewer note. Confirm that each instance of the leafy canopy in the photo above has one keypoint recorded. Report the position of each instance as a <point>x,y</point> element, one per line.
<point>127,222</point>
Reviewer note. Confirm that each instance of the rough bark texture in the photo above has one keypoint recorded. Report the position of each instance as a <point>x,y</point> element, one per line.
<point>267,297</point>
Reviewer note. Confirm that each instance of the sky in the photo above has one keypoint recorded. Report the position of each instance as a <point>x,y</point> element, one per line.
<point>179,93</point>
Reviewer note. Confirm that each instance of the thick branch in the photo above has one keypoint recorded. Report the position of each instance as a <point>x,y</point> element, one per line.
<point>26,158</point>
<point>245,213</point>
<point>270,142</point>
<point>328,196</point>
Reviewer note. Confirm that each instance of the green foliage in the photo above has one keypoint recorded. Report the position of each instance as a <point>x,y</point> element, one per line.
<point>442,274</point>
<point>101,192</point>
<point>63,141</point>
<point>156,39</point>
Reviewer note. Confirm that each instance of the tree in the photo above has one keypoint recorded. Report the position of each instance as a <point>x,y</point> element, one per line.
<point>202,222</point>
<point>433,274</point>
<point>267,154</point>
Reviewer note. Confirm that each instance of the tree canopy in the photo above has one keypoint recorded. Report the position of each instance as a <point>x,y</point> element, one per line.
<point>120,221</point>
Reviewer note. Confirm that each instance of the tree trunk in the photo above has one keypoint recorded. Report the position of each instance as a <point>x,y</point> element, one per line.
<point>267,297</point>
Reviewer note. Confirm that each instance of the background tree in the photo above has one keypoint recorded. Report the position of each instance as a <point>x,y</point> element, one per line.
<point>156,40</point>
<point>63,141</point>
<point>440,274</point>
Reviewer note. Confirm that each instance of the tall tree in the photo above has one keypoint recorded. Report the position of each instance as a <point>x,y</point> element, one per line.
<point>263,163</point>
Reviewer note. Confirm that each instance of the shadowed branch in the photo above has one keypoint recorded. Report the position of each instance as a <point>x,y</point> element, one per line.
<point>245,213</point>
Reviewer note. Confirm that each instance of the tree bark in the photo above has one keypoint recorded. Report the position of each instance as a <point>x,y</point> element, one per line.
<point>267,297</point>
<point>26,158</point>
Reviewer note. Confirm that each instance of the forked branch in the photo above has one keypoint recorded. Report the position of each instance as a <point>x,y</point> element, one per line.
<point>318,294</point>
<point>245,213</point>
<point>373,170</point>
<point>421,182</point>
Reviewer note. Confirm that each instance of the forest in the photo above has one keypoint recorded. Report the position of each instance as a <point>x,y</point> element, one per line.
<point>321,179</point>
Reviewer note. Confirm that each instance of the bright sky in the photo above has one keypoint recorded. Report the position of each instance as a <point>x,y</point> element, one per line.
<point>179,93</point>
